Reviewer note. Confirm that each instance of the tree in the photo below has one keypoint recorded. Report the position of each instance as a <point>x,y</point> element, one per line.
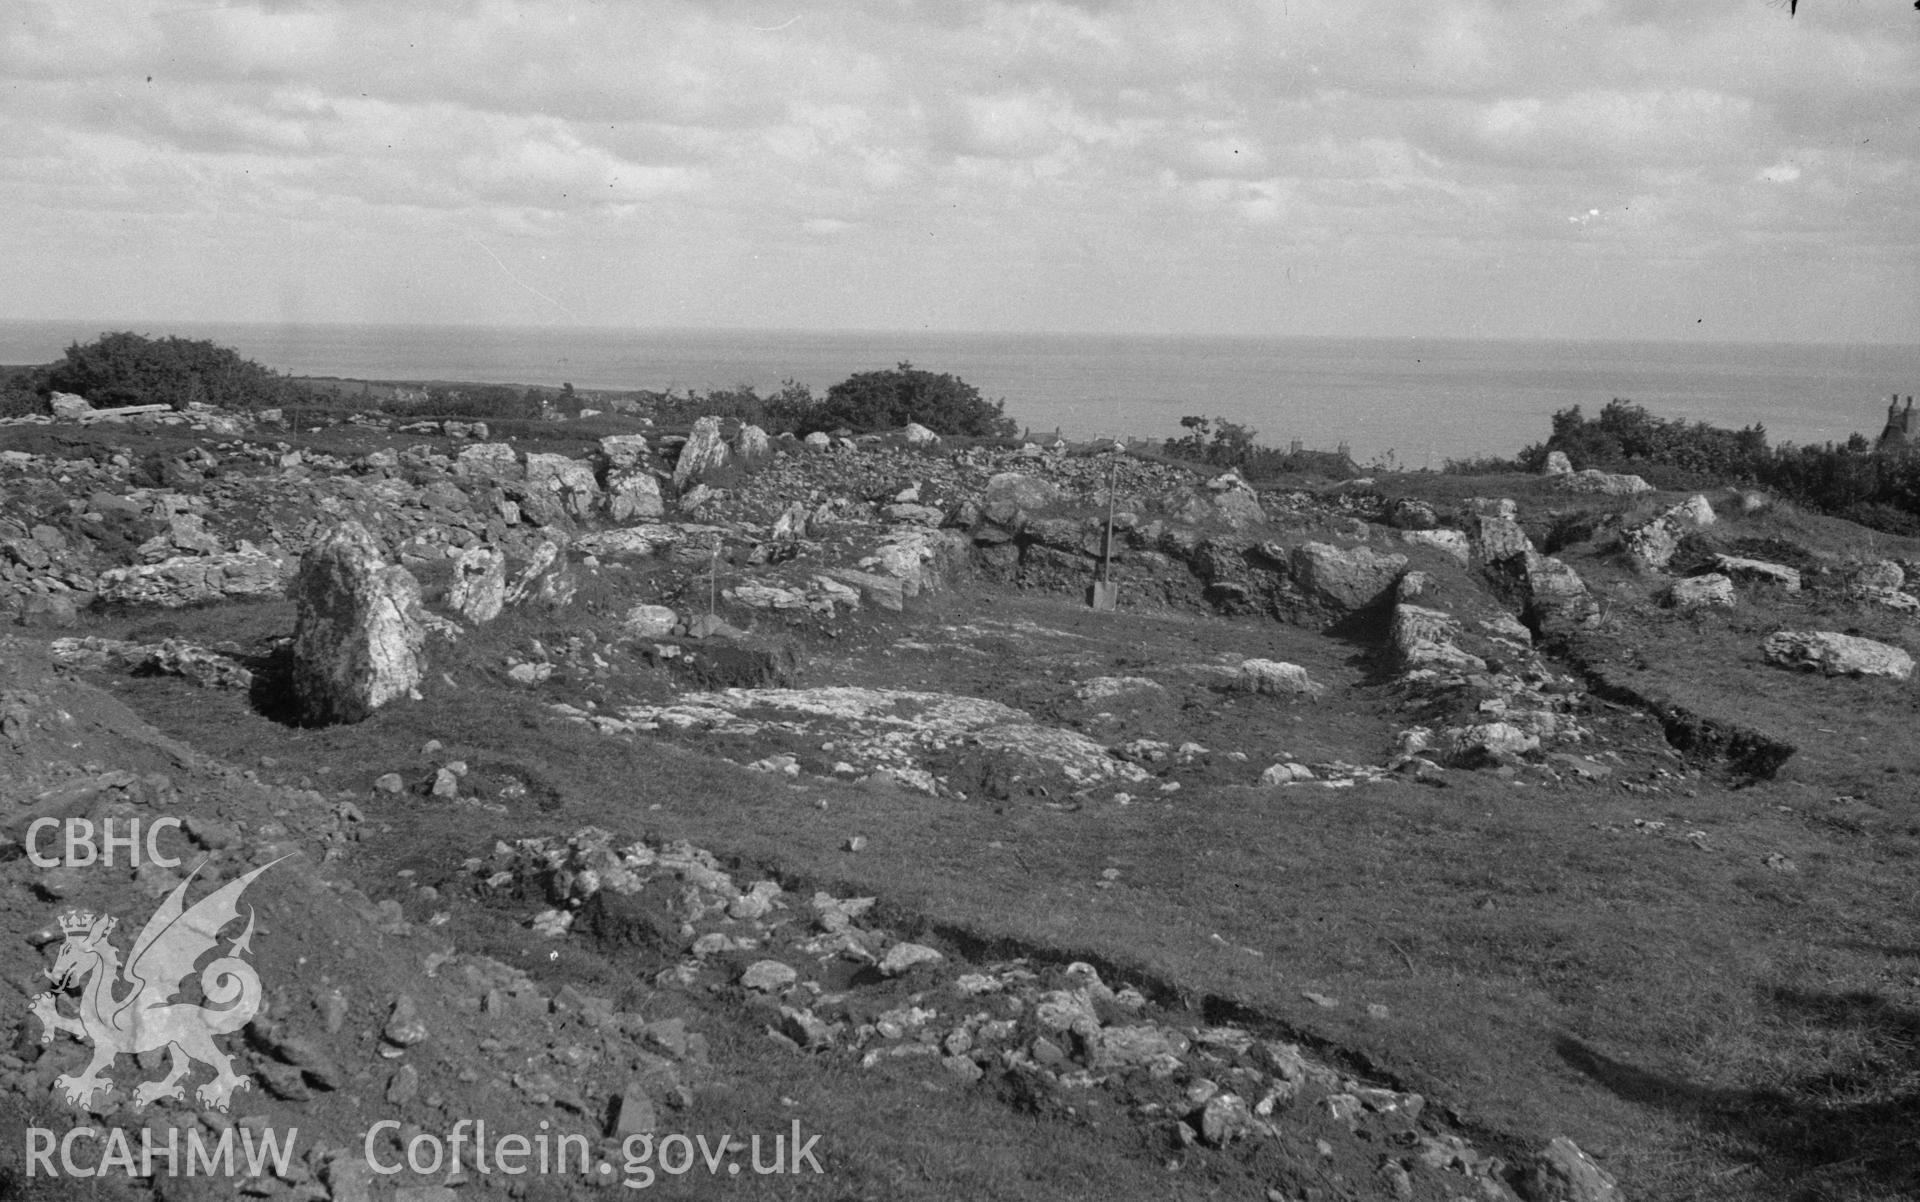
<point>887,400</point>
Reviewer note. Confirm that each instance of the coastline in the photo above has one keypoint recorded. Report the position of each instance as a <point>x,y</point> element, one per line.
<point>1425,400</point>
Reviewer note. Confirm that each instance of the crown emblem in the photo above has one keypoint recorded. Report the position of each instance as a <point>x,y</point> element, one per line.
<point>76,922</point>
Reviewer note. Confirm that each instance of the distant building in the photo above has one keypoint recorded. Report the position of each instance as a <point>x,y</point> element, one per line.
<point>1898,434</point>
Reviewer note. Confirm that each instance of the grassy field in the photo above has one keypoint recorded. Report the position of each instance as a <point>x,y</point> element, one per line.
<point>1712,985</point>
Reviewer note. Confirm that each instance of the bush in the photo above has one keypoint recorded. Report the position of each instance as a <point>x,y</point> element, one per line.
<point>121,369</point>
<point>23,391</point>
<point>887,400</point>
<point>1851,480</point>
<point>1625,434</point>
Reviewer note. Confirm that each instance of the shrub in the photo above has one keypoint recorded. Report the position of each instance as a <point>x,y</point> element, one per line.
<point>887,400</point>
<point>121,369</point>
<point>1851,480</point>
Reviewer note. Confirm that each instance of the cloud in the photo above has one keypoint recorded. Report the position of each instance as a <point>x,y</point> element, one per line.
<point>1202,147</point>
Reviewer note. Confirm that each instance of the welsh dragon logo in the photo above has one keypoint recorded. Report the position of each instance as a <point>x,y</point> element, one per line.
<point>144,1017</point>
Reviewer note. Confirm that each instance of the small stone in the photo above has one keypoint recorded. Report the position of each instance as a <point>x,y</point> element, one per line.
<point>633,1114</point>
<point>332,1005</point>
<point>404,1027</point>
<point>902,957</point>
<point>805,1028</point>
<point>389,783</point>
<point>964,1068</point>
<point>446,783</point>
<point>857,843</point>
<point>1224,1119</point>
<point>403,1085</point>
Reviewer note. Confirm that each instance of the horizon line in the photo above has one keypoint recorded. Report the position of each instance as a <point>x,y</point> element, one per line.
<point>115,324</point>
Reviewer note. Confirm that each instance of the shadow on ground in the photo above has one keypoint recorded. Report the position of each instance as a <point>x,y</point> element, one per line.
<point>1848,1129</point>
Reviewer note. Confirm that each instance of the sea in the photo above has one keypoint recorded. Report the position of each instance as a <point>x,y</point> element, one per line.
<point>1408,403</point>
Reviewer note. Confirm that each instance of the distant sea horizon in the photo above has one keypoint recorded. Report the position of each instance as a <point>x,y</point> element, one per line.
<point>1407,402</point>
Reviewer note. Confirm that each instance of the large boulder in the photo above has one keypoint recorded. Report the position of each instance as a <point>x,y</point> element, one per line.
<point>633,493</point>
<point>488,461</point>
<point>1495,539</point>
<point>358,636</point>
<point>703,452</point>
<point>1428,638</point>
<point>571,481</point>
<point>1275,677</point>
<point>649,621</point>
<point>70,407</point>
<point>1558,464</point>
<point>1837,654</point>
<point>1010,502</point>
<point>752,445</point>
<point>547,579</point>
<point>195,580</point>
<point>1452,543</point>
<point>1556,596</point>
<point>918,435</point>
<point>921,559</point>
<point>623,451</point>
<point>1344,579</point>
<point>1655,542</point>
<point>1019,491</point>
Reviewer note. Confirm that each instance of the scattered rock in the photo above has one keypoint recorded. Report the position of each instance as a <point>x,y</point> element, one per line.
<point>1696,592</point>
<point>195,580</point>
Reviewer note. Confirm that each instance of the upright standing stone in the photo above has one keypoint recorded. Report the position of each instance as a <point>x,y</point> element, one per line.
<point>704,451</point>
<point>358,635</point>
<point>479,590</point>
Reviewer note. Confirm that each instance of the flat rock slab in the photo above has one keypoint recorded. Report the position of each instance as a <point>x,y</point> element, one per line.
<point>885,730</point>
<point>1837,654</point>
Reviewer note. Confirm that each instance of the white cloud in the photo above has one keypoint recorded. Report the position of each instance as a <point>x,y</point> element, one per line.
<point>1204,143</point>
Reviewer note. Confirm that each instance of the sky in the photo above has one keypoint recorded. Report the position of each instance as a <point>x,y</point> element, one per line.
<point>1646,169</point>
